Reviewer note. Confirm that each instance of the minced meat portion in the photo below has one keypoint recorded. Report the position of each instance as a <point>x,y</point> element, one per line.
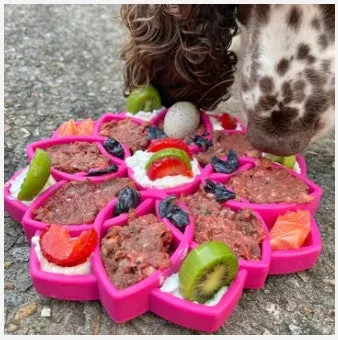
<point>133,252</point>
<point>77,157</point>
<point>79,202</point>
<point>127,132</point>
<point>240,230</point>
<point>267,184</point>
<point>222,144</point>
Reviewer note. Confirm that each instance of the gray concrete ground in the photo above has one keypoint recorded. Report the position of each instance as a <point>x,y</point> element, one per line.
<point>63,62</point>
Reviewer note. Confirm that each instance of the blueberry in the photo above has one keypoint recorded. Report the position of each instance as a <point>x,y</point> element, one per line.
<point>114,147</point>
<point>127,198</point>
<point>173,213</point>
<point>99,172</point>
<point>155,132</point>
<point>221,193</point>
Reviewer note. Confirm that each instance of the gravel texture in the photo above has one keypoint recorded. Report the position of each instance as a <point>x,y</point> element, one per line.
<point>62,62</point>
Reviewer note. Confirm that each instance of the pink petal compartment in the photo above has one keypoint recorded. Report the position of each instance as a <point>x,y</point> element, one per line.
<point>295,260</point>
<point>30,226</point>
<point>257,271</point>
<point>77,123</point>
<point>14,207</point>
<point>74,287</point>
<point>123,305</point>
<point>60,175</point>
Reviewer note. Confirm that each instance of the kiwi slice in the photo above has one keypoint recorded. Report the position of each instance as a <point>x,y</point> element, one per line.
<point>206,269</point>
<point>36,177</point>
<point>145,99</point>
<point>287,161</point>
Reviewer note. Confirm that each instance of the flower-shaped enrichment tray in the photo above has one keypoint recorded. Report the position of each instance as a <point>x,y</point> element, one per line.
<point>146,295</point>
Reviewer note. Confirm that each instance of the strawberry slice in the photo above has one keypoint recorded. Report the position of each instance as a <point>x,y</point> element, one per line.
<point>165,143</point>
<point>58,247</point>
<point>168,166</point>
<point>228,122</point>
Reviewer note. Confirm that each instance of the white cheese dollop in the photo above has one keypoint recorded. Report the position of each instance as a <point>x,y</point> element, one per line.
<point>15,186</point>
<point>172,286</point>
<point>146,116</point>
<point>46,266</point>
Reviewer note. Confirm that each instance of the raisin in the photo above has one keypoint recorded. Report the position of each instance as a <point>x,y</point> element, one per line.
<point>99,172</point>
<point>173,213</point>
<point>127,198</point>
<point>221,193</point>
<point>114,147</point>
<point>155,132</point>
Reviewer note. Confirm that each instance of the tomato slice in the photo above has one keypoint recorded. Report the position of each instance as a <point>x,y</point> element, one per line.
<point>228,122</point>
<point>58,247</point>
<point>165,143</point>
<point>290,230</point>
<point>168,166</point>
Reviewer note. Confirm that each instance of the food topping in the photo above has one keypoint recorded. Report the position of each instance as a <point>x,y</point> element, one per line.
<point>146,98</point>
<point>78,202</point>
<point>133,252</point>
<point>228,122</point>
<point>177,216</point>
<point>290,230</point>
<point>222,194</point>
<point>36,176</point>
<point>110,169</point>
<point>206,269</point>
<point>77,157</point>
<point>114,147</point>
<point>166,143</point>
<point>58,247</point>
<point>226,167</point>
<point>70,128</point>
<point>155,132</point>
<point>267,184</point>
<point>181,120</point>
<point>202,142</point>
<point>128,198</point>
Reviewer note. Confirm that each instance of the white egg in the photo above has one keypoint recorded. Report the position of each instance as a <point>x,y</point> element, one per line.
<point>181,120</point>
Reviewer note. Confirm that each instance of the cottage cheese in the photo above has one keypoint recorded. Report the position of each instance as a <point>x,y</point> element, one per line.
<point>138,162</point>
<point>172,286</point>
<point>46,266</point>
<point>146,116</point>
<point>15,186</point>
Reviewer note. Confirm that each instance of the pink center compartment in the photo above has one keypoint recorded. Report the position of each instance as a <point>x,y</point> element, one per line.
<point>61,175</point>
<point>125,304</point>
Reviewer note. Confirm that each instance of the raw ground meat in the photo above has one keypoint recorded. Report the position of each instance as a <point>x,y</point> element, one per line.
<point>267,184</point>
<point>222,144</point>
<point>241,230</point>
<point>77,157</point>
<point>79,202</point>
<point>135,251</point>
<point>127,132</point>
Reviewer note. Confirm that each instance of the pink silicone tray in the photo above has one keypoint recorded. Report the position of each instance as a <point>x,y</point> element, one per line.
<point>123,305</point>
